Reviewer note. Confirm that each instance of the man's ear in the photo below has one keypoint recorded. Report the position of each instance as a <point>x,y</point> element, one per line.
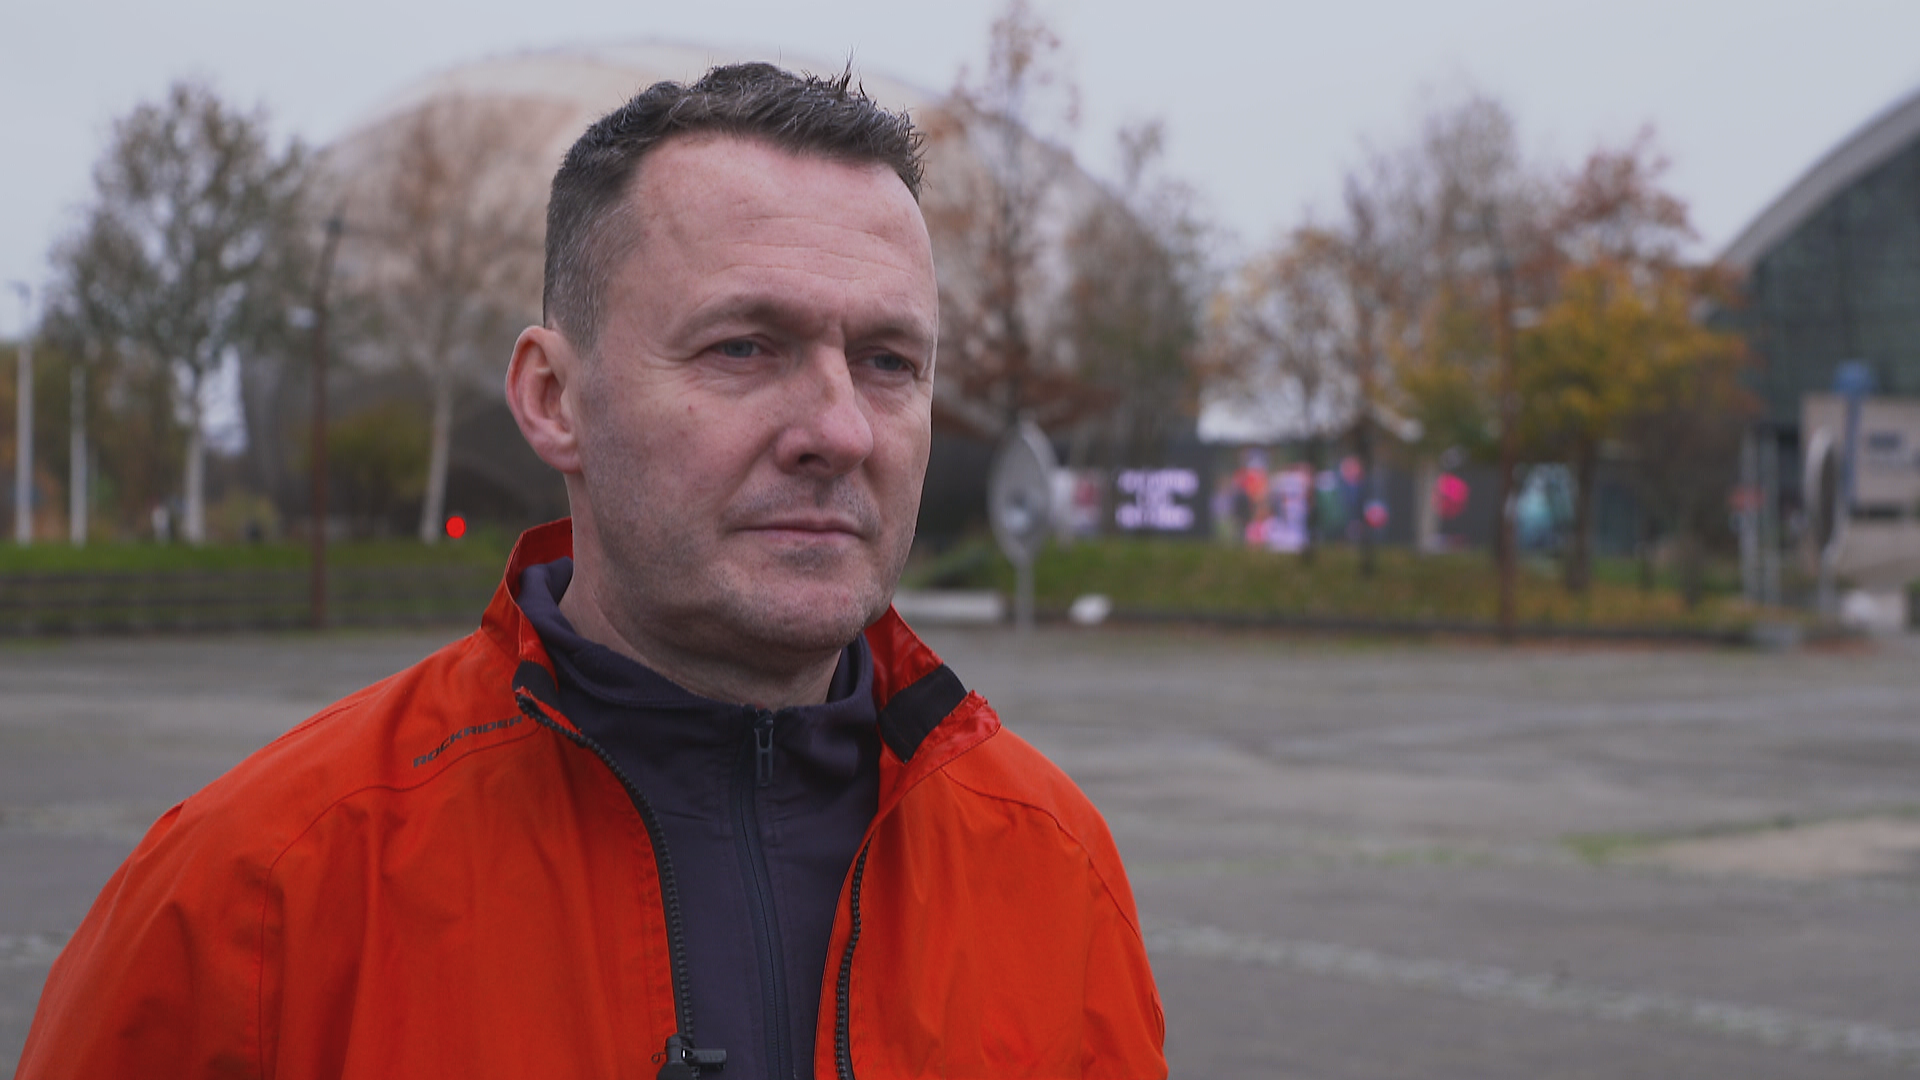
<point>543,397</point>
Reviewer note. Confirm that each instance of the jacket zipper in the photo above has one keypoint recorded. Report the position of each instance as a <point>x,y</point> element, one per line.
<point>683,1059</point>
<point>757,772</point>
<point>843,986</point>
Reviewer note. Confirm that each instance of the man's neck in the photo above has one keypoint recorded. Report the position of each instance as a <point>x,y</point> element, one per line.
<point>771,685</point>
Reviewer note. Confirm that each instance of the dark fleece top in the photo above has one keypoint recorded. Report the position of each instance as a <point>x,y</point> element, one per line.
<point>759,854</point>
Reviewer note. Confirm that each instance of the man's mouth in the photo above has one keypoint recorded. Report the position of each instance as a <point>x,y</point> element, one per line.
<point>809,525</point>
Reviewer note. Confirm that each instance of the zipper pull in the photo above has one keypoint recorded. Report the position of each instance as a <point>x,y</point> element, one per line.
<point>688,1062</point>
<point>763,749</point>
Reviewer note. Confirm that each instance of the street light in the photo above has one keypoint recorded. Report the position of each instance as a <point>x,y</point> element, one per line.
<point>1853,381</point>
<point>23,427</point>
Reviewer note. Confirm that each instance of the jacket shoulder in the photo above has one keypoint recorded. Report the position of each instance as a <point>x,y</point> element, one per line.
<point>1036,968</point>
<point>1007,770</point>
<point>395,734</point>
<point>243,869</point>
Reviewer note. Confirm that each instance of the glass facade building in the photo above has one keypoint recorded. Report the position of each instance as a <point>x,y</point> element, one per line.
<point>1833,271</point>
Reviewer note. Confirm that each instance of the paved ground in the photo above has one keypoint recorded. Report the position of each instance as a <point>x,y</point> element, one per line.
<point>1354,860</point>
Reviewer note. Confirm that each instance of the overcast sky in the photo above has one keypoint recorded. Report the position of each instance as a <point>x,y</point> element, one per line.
<point>1266,103</point>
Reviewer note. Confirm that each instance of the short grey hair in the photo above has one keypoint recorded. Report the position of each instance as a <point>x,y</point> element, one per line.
<point>588,233</point>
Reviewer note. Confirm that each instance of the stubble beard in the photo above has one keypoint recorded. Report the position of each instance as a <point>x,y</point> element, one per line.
<point>690,598</point>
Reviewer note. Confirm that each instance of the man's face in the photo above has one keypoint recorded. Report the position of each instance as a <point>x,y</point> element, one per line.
<point>755,417</point>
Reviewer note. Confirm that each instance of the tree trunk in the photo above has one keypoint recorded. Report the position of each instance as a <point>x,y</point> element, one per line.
<point>433,505</point>
<point>1426,516</point>
<point>1504,494</point>
<point>1648,534</point>
<point>77,456</point>
<point>1692,568</point>
<point>1115,454</point>
<point>1311,532</point>
<point>23,445</point>
<point>1506,547</point>
<point>1579,565</point>
<point>1080,462</point>
<point>1363,439</point>
<point>194,528</point>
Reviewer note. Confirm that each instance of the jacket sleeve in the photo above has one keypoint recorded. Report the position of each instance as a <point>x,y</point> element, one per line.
<point>161,978</point>
<point>1125,1026</point>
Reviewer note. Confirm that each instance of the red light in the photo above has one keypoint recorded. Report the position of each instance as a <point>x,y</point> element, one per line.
<point>456,527</point>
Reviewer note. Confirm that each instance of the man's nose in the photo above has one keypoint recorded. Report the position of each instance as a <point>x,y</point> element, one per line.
<point>827,432</point>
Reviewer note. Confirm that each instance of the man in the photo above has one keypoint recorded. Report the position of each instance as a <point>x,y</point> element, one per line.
<point>693,801</point>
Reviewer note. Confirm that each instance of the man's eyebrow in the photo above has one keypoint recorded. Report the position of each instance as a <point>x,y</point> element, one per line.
<point>766,311</point>
<point>757,310</point>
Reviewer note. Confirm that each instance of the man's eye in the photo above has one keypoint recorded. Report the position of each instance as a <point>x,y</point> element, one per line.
<point>737,350</point>
<point>892,362</point>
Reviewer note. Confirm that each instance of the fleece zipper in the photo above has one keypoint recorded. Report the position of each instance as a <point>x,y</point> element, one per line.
<point>756,773</point>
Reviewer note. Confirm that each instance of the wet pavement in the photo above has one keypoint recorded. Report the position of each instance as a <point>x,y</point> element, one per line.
<point>1353,859</point>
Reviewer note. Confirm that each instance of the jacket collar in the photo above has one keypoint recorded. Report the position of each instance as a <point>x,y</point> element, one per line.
<point>508,627</point>
<point>927,716</point>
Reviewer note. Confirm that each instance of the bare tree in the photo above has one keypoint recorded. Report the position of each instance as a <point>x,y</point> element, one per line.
<point>188,257</point>
<point>1277,342</point>
<point>1401,303</point>
<point>68,326</point>
<point>1375,254</point>
<point>1355,281</point>
<point>1131,311</point>
<point>445,226</point>
<point>1481,209</point>
<point>998,206</point>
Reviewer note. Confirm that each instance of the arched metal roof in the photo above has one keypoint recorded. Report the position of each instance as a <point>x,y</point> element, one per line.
<point>598,78</point>
<point>1893,130</point>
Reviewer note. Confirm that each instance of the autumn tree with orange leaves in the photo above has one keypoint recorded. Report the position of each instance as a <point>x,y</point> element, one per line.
<point>1516,315</point>
<point>1621,331</point>
<point>1278,336</point>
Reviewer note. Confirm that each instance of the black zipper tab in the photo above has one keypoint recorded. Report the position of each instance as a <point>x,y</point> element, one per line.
<point>763,749</point>
<point>688,1062</point>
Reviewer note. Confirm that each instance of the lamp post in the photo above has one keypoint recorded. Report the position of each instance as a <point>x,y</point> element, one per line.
<point>23,427</point>
<point>317,579</point>
<point>1853,381</point>
<point>1020,506</point>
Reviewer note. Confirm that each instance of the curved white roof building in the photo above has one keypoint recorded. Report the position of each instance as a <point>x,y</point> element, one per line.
<point>590,81</point>
<point>512,119</point>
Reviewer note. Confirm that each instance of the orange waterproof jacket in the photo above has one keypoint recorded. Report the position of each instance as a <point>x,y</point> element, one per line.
<point>440,876</point>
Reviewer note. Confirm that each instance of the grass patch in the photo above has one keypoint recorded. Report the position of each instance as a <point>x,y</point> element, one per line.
<point>147,558</point>
<point>1599,848</point>
<point>135,587</point>
<point>1149,576</point>
<point>1609,847</point>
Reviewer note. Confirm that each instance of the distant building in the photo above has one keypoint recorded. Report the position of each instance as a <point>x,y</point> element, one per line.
<point>555,94</point>
<point>1833,269</point>
<point>1833,276</point>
